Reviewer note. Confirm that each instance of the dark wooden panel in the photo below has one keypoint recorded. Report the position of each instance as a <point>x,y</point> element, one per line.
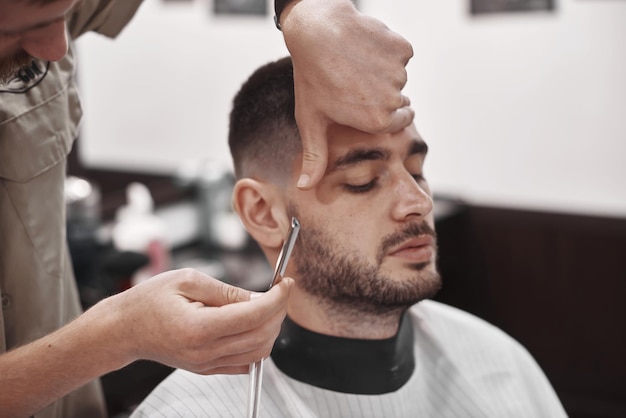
<point>556,283</point>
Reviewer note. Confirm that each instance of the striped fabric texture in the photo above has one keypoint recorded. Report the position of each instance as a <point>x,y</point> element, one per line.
<point>465,367</point>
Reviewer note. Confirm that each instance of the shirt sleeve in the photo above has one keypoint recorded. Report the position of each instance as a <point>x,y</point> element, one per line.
<point>107,17</point>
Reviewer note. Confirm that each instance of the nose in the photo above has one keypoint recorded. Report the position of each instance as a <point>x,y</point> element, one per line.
<point>48,43</point>
<point>411,200</point>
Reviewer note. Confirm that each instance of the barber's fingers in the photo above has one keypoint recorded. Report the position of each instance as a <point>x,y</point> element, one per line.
<point>236,318</point>
<point>236,334</point>
<point>405,102</point>
<point>200,338</point>
<point>234,351</point>
<point>198,287</point>
<point>400,118</point>
<point>243,369</point>
<point>201,288</point>
<point>313,133</point>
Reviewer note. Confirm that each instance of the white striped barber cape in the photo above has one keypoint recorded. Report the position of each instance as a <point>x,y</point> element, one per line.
<point>465,367</point>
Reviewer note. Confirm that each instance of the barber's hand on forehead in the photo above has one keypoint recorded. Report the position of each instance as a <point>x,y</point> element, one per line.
<point>349,69</point>
<point>186,319</point>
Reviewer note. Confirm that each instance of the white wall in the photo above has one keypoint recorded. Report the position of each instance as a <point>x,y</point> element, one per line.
<point>161,92</point>
<point>522,110</point>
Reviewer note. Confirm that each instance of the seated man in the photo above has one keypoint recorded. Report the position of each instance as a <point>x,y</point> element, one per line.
<point>356,342</point>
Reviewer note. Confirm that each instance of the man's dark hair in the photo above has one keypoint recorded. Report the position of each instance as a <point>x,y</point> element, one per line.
<point>263,135</point>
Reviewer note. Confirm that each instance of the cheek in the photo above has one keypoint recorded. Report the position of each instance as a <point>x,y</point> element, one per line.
<point>352,228</point>
<point>354,225</point>
<point>361,237</point>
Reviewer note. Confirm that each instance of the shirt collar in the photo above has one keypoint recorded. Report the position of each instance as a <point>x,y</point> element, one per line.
<point>345,364</point>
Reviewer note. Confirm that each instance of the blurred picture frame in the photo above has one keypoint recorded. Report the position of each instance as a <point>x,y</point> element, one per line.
<point>478,7</point>
<point>240,7</point>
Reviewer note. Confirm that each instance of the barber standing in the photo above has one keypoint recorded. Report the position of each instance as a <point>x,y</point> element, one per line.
<point>181,318</point>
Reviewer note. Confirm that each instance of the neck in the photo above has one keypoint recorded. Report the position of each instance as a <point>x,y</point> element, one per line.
<point>341,320</point>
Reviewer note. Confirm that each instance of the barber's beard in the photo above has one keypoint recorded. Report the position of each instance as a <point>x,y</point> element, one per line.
<point>9,66</point>
<point>342,278</point>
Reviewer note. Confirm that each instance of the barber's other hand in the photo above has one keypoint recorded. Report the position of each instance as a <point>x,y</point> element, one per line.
<point>186,319</point>
<point>349,69</point>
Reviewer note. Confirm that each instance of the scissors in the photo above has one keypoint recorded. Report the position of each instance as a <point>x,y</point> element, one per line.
<point>256,369</point>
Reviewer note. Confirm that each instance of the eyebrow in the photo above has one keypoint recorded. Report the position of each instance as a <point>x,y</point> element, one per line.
<point>418,146</point>
<point>359,155</point>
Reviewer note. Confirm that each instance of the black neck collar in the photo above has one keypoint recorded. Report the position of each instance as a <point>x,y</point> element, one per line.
<point>346,365</point>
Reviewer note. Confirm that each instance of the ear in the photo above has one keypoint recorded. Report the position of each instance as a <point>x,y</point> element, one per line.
<point>262,210</point>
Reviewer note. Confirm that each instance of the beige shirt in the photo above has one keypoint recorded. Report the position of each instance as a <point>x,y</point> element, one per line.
<point>40,114</point>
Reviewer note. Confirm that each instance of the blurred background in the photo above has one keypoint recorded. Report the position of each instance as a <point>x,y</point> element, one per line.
<point>523,104</point>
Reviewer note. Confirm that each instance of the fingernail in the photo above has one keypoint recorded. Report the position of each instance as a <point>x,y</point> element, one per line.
<point>304,180</point>
<point>254,295</point>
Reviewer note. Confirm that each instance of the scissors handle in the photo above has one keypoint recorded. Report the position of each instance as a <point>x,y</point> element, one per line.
<point>254,394</point>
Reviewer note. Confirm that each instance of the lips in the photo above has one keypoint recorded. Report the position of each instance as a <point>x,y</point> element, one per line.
<point>419,249</point>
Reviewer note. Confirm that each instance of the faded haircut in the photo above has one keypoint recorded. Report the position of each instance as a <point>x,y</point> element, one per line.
<point>263,136</point>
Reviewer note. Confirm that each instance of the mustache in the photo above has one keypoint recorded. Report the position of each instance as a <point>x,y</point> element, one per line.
<point>410,231</point>
<point>9,66</point>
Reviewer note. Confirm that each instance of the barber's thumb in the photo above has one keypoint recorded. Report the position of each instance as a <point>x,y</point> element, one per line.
<point>287,283</point>
<point>283,287</point>
<point>232,294</point>
<point>314,160</point>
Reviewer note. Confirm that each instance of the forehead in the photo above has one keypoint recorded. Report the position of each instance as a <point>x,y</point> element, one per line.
<point>344,139</point>
<point>16,15</point>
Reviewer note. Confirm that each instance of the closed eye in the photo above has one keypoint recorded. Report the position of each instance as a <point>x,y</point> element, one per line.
<point>360,188</point>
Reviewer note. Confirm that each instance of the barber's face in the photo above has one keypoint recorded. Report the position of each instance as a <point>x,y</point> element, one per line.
<point>31,30</point>
<point>367,237</point>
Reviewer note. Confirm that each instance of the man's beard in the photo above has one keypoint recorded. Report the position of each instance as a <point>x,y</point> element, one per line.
<point>344,279</point>
<point>10,65</point>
